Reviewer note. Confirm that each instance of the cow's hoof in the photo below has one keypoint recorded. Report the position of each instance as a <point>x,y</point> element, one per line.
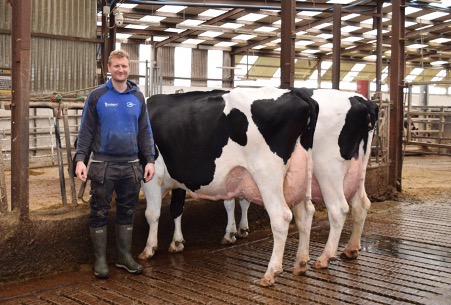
<point>243,233</point>
<point>228,241</point>
<point>346,254</point>
<point>267,281</point>
<point>320,265</point>
<point>301,268</point>
<point>176,247</point>
<point>145,255</point>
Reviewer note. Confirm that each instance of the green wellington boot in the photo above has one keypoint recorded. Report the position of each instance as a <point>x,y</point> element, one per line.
<point>124,243</point>
<point>99,240</point>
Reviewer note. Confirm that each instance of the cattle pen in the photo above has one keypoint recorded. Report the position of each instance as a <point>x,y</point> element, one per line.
<point>405,258</point>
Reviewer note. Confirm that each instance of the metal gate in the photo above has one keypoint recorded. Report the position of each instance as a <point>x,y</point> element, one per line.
<point>427,128</point>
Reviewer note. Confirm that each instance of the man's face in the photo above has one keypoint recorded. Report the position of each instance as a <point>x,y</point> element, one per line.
<point>119,69</point>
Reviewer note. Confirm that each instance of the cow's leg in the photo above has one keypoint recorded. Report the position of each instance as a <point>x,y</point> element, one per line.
<point>153,195</point>
<point>280,217</point>
<point>178,243</point>
<point>243,228</point>
<point>331,184</point>
<point>337,211</point>
<point>360,205</point>
<point>176,207</point>
<point>303,215</point>
<point>229,237</point>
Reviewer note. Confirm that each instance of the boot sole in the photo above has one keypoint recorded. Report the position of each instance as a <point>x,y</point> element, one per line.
<point>139,271</point>
<point>102,276</point>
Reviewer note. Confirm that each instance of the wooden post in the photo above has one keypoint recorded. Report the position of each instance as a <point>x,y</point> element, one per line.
<point>20,142</point>
<point>3,197</point>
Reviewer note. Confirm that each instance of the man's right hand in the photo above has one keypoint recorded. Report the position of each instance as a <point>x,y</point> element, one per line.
<point>80,171</point>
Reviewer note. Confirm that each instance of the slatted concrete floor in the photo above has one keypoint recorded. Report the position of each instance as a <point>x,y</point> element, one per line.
<point>406,259</point>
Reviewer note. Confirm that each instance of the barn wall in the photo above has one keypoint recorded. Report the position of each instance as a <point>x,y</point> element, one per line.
<point>64,49</point>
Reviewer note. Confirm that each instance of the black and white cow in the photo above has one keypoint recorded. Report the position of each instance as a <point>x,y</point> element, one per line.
<point>341,150</point>
<point>247,143</point>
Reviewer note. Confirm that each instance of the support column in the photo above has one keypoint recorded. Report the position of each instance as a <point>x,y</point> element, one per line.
<point>287,43</point>
<point>397,71</point>
<point>21,67</point>
<point>336,49</point>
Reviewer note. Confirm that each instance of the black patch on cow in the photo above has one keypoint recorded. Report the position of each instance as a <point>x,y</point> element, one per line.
<point>190,131</point>
<point>360,119</point>
<point>306,95</point>
<point>238,126</point>
<point>281,122</point>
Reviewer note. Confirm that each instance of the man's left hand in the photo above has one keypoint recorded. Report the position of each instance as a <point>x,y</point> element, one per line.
<point>149,171</point>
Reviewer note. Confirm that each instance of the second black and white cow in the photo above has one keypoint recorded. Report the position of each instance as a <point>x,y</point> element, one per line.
<point>248,143</point>
<point>341,150</point>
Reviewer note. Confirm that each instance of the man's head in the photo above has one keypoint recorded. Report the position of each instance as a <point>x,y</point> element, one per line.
<point>118,65</point>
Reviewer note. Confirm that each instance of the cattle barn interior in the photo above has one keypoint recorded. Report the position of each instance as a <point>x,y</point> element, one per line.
<point>53,53</point>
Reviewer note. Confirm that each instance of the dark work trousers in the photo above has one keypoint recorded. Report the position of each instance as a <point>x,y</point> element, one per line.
<point>124,178</point>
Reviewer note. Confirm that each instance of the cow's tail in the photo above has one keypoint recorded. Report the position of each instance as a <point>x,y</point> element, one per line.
<point>308,142</point>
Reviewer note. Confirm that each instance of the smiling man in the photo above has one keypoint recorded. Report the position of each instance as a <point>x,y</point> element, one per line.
<point>115,127</point>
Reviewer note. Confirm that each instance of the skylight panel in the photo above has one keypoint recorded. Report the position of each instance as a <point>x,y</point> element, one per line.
<point>122,36</point>
<point>259,47</point>
<point>350,16</point>
<point>358,67</point>
<point>323,25</point>
<point>136,26</point>
<point>126,5</point>
<point>440,76</point>
<point>193,41</point>
<point>411,10</point>
<point>190,22</point>
<point>230,25</point>
<point>212,13</point>
<point>265,29</point>
<point>440,40</point>
<point>310,51</point>
<point>243,37</point>
<point>159,38</point>
<point>350,28</point>
<point>326,46</point>
<point>308,13</point>
<point>171,9</point>
<point>149,18</point>
<point>432,16</point>
<point>174,30</point>
<point>374,32</point>
<point>417,46</point>
<point>279,22</point>
<point>443,4</point>
<point>252,17</point>
<point>211,34</point>
<point>325,36</point>
<point>415,72</point>
<point>409,23</point>
<point>370,57</point>
<point>352,39</point>
<point>225,44</point>
<point>439,63</point>
<point>303,42</point>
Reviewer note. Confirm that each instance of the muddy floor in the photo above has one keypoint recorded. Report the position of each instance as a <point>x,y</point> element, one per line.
<point>405,256</point>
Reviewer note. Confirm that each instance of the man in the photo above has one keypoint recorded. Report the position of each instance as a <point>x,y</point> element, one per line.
<point>115,126</point>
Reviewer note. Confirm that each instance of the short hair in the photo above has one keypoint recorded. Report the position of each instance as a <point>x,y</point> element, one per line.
<point>118,54</point>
